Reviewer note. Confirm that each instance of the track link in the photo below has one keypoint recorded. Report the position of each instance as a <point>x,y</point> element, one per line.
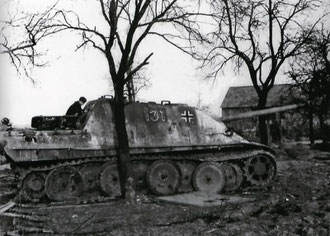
<point>257,166</point>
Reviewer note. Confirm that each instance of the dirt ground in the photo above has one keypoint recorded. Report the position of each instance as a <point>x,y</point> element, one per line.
<point>298,203</point>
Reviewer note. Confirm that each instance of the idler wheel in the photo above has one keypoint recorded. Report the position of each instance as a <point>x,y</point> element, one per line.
<point>90,176</point>
<point>260,169</point>
<point>163,177</point>
<point>209,177</point>
<point>64,183</point>
<point>33,187</point>
<point>109,179</point>
<point>234,176</point>
<point>186,170</point>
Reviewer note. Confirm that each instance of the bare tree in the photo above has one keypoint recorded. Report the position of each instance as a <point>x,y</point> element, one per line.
<point>310,71</point>
<point>127,25</point>
<point>259,35</point>
<point>19,36</point>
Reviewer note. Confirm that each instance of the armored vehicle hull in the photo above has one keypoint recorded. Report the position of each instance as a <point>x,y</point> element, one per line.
<point>173,148</point>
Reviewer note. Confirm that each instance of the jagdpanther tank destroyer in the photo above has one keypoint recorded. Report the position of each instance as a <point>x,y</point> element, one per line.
<point>173,148</point>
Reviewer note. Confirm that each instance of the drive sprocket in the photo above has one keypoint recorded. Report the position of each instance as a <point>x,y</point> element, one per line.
<point>260,169</point>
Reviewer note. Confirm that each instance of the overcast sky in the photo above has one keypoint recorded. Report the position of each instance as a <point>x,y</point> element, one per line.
<point>173,76</point>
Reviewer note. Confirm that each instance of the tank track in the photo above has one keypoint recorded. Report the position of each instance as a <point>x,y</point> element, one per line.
<point>229,164</point>
<point>23,171</point>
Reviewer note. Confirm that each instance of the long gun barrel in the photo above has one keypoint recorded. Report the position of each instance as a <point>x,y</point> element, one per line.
<point>261,112</point>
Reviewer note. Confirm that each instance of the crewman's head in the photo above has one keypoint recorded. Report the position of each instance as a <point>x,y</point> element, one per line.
<point>82,100</point>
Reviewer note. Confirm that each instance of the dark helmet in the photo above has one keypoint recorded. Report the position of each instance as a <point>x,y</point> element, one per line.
<point>5,121</point>
<point>82,99</point>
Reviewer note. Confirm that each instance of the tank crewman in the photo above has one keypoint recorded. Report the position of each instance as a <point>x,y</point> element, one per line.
<point>5,124</point>
<point>75,110</point>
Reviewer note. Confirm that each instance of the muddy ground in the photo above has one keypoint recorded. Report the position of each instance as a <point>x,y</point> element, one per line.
<point>298,203</point>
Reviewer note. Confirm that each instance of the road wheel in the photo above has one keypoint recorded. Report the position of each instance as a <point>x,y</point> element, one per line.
<point>234,176</point>
<point>186,170</point>
<point>109,179</point>
<point>33,188</point>
<point>139,170</point>
<point>163,177</point>
<point>90,176</point>
<point>209,177</point>
<point>64,183</point>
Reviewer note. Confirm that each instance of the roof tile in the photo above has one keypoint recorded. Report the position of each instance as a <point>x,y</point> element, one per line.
<point>246,96</point>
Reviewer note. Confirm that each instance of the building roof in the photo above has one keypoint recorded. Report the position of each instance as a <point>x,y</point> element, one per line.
<point>246,96</point>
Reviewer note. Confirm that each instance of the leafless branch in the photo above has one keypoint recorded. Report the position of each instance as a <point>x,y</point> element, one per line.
<point>23,51</point>
<point>238,36</point>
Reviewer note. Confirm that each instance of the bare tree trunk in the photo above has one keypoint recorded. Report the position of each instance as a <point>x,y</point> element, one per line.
<point>322,126</point>
<point>125,172</point>
<point>324,107</point>
<point>263,132</point>
<point>311,128</point>
<point>279,128</point>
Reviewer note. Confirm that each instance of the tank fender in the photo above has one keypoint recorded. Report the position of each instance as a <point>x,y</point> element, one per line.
<point>260,146</point>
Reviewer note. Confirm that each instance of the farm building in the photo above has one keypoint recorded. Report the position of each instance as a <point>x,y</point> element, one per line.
<point>290,124</point>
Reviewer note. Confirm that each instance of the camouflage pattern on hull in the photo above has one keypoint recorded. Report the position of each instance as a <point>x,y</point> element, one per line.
<point>169,141</point>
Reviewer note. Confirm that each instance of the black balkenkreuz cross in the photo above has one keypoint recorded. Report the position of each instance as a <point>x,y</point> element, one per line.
<point>187,116</point>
